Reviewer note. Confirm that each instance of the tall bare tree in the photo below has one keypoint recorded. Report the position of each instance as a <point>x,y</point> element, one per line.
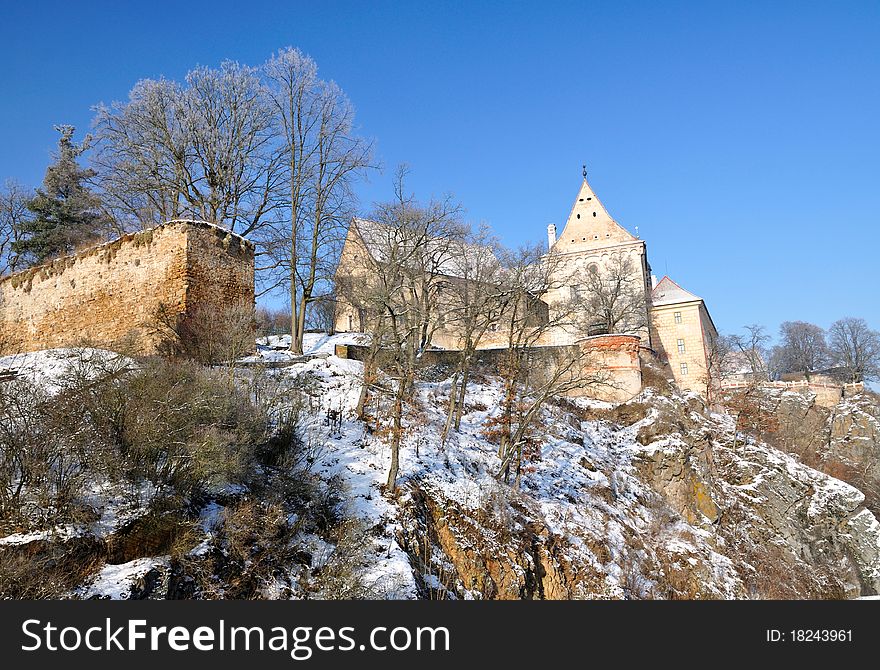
<point>203,149</point>
<point>752,349</point>
<point>13,212</point>
<point>854,346</point>
<point>411,244</point>
<point>613,297</point>
<point>802,348</point>
<point>720,362</point>
<point>322,157</point>
<point>528,385</point>
<point>476,299</point>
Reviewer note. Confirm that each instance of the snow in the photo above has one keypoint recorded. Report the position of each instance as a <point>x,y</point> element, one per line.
<point>585,489</point>
<point>116,507</point>
<point>567,489</point>
<point>115,581</point>
<point>48,368</point>
<point>275,348</point>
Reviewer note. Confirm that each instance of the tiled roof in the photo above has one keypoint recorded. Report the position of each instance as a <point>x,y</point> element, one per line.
<point>667,292</point>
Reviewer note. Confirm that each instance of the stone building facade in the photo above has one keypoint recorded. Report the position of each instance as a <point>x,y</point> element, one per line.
<point>593,242</point>
<point>675,326</point>
<point>682,334</point>
<point>112,295</point>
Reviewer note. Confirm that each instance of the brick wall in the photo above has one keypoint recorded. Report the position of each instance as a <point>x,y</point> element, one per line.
<point>110,295</point>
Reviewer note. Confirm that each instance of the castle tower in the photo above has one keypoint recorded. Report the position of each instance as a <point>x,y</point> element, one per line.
<point>592,241</point>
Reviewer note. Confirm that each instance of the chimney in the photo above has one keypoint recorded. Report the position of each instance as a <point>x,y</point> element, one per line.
<point>551,235</point>
<point>653,281</point>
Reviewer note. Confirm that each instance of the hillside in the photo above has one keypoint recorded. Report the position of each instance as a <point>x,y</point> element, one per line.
<point>655,498</point>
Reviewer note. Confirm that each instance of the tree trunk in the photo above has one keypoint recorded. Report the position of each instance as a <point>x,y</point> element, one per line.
<point>395,441</point>
<point>462,394</point>
<point>453,404</point>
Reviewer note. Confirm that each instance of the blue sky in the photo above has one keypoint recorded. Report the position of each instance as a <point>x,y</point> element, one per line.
<point>741,138</point>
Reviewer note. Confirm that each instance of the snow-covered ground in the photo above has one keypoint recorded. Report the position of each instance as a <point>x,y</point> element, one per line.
<point>50,367</point>
<point>566,489</point>
<point>275,348</point>
<point>116,581</point>
<point>585,490</point>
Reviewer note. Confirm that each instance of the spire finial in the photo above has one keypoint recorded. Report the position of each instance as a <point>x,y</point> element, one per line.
<point>585,171</point>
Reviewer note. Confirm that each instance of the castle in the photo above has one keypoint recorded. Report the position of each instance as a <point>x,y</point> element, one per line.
<point>671,323</point>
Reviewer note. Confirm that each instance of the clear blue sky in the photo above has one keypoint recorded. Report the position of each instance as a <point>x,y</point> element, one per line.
<point>742,139</point>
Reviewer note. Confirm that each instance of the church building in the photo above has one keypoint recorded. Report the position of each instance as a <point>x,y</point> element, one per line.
<point>592,255</point>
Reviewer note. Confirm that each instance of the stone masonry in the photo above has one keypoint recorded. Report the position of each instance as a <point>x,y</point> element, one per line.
<point>111,295</point>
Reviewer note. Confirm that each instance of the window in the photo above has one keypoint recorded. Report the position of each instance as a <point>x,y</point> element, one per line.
<point>680,346</point>
<point>677,316</point>
<point>493,327</point>
<point>684,368</point>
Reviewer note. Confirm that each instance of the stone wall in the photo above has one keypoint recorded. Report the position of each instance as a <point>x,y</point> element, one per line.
<point>611,363</point>
<point>827,392</point>
<point>111,295</point>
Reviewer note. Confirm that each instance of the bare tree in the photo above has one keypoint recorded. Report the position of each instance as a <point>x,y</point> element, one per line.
<point>802,348</point>
<point>856,348</point>
<point>613,297</point>
<point>271,321</point>
<point>529,383</point>
<point>322,157</point>
<point>322,314</point>
<point>720,362</point>
<point>204,149</point>
<point>13,212</point>
<point>475,301</point>
<point>410,245</point>
<point>752,348</point>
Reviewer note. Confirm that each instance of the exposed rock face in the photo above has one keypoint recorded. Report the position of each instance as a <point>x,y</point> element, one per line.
<point>746,521</point>
<point>488,559</point>
<point>843,440</point>
<point>765,507</point>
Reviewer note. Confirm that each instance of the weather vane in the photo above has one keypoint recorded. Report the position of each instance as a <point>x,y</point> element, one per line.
<point>585,171</point>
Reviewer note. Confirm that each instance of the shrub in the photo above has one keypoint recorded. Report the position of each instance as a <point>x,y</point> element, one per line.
<point>185,427</point>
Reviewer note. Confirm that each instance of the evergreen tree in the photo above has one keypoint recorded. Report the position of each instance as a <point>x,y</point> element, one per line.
<point>66,213</point>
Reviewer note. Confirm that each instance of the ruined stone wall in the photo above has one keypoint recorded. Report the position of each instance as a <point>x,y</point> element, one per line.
<point>110,295</point>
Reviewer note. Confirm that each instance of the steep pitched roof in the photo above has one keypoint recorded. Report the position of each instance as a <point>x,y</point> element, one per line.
<point>589,225</point>
<point>667,292</point>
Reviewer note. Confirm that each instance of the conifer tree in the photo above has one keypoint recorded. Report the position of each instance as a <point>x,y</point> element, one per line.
<point>65,212</point>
